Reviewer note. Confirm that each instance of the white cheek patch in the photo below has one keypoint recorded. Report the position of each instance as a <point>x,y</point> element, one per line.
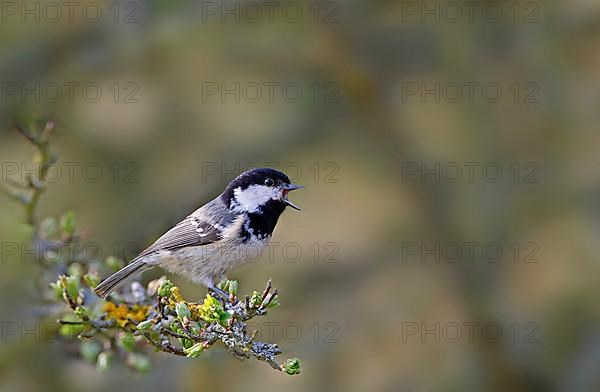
<point>251,198</point>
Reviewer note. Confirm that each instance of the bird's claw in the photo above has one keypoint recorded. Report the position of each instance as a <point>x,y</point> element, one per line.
<point>219,293</point>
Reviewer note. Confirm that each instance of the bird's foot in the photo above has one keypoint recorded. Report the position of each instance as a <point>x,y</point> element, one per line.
<point>219,293</point>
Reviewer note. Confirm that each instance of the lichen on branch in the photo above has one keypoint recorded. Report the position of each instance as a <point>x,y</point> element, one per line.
<point>162,318</point>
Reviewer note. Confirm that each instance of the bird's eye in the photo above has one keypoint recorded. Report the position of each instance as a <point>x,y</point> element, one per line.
<point>269,182</point>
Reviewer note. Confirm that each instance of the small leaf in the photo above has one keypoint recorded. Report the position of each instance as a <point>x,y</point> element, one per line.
<point>70,330</point>
<point>255,300</point>
<point>164,290</point>
<point>194,351</point>
<point>233,287</point>
<point>154,285</point>
<point>223,284</point>
<point>114,263</point>
<point>92,280</point>
<point>183,312</point>
<point>89,350</point>
<point>75,270</point>
<point>57,290</point>
<point>127,341</point>
<point>291,366</point>
<point>67,224</point>
<point>139,362</point>
<point>212,310</point>
<point>274,303</point>
<point>49,228</point>
<point>145,325</point>
<point>195,327</point>
<point>72,286</point>
<point>104,360</point>
<point>185,343</point>
<point>82,312</point>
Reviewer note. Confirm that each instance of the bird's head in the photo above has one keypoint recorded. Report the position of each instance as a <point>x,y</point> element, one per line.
<point>259,190</point>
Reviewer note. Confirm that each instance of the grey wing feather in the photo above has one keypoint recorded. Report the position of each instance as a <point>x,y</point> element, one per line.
<point>189,232</point>
<point>202,227</point>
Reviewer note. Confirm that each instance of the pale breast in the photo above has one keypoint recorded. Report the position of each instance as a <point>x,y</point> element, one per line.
<point>208,263</point>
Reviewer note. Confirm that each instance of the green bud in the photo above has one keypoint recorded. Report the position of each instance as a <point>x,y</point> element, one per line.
<point>113,263</point>
<point>49,228</point>
<point>175,327</point>
<point>255,300</point>
<point>223,284</point>
<point>92,280</point>
<point>70,330</point>
<point>104,360</point>
<point>182,311</point>
<point>67,224</point>
<point>233,287</point>
<point>82,312</point>
<point>165,288</point>
<point>57,289</point>
<point>127,341</point>
<point>145,325</point>
<point>195,328</point>
<point>153,285</point>
<point>212,310</point>
<point>194,351</point>
<point>274,303</point>
<point>291,366</point>
<point>89,350</point>
<point>185,343</point>
<point>139,362</point>
<point>75,270</point>
<point>72,286</point>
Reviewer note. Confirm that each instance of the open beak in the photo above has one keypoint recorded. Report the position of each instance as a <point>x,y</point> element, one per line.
<point>284,196</point>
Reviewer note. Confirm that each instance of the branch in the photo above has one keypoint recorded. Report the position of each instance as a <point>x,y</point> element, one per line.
<point>34,187</point>
<point>157,317</point>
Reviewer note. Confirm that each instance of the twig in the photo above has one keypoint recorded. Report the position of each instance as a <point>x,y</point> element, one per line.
<point>164,346</point>
<point>174,334</point>
<point>266,291</point>
<point>271,298</point>
<point>67,322</point>
<point>35,185</point>
<point>18,196</point>
<point>25,134</point>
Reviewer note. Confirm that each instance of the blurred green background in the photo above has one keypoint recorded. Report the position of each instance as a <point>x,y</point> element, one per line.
<point>353,130</point>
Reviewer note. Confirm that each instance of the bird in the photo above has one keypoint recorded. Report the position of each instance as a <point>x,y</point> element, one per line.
<point>217,237</point>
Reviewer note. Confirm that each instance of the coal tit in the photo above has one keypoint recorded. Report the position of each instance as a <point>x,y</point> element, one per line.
<point>219,235</point>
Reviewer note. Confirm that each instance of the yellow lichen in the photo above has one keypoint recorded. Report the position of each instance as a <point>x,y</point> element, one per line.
<point>124,314</point>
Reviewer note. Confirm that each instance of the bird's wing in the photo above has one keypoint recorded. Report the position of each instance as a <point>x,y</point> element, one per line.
<point>192,231</point>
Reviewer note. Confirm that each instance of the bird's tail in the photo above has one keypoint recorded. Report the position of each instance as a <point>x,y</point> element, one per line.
<point>120,277</point>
